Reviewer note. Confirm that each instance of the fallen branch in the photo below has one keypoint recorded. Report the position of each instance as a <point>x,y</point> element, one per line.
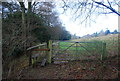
<point>9,72</point>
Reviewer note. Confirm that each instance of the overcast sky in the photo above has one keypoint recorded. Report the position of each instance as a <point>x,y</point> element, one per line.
<point>104,22</point>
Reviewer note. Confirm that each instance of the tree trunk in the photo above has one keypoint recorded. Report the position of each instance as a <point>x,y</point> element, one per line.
<point>23,25</point>
<point>28,25</point>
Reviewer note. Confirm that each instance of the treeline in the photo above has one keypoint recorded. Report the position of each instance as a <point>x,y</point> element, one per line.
<point>24,27</point>
<point>101,33</point>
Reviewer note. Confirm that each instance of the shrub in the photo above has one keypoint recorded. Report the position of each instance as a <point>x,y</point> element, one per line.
<point>17,53</point>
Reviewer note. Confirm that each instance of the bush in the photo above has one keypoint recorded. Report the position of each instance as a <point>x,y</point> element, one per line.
<point>17,53</point>
<point>41,34</point>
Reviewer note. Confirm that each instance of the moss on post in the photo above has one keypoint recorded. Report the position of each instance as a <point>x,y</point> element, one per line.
<point>49,56</point>
<point>30,58</point>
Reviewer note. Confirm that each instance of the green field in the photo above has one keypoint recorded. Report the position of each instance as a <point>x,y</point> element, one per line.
<point>91,47</point>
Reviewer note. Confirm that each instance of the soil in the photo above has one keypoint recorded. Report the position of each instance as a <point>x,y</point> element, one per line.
<point>87,69</point>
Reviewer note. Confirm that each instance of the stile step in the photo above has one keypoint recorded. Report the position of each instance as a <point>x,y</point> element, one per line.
<point>60,62</point>
<point>62,59</point>
<point>43,62</point>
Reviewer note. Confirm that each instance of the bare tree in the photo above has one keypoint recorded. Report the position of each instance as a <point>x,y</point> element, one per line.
<point>85,9</point>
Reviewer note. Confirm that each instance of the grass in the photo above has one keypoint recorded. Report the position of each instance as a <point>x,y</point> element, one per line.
<point>110,40</point>
<point>80,50</point>
<point>93,45</point>
<point>91,49</point>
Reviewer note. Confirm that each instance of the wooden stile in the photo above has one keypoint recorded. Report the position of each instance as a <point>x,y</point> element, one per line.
<point>41,49</point>
<point>49,56</point>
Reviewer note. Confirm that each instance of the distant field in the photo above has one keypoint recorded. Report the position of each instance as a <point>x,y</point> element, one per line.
<point>110,40</point>
<point>92,47</point>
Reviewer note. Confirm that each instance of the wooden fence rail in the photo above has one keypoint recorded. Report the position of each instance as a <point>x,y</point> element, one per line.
<point>48,50</point>
<point>33,47</point>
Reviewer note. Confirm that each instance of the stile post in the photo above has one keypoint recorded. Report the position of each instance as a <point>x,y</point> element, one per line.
<point>30,58</point>
<point>103,51</point>
<point>49,59</point>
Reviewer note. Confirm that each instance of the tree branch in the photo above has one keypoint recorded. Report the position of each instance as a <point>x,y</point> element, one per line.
<point>108,7</point>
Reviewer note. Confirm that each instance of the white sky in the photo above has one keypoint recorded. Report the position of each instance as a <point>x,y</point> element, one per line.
<point>102,22</point>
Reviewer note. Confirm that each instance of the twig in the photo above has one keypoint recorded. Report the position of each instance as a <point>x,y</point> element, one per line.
<point>19,75</point>
<point>9,73</point>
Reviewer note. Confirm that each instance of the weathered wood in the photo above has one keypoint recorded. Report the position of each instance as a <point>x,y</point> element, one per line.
<point>55,43</point>
<point>60,62</point>
<point>103,51</point>
<point>43,62</point>
<point>35,55</point>
<point>30,58</point>
<point>30,48</point>
<point>41,49</point>
<point>47,50</point>
<point>34,60</point>
<point>49,56</point>
<point>33,47</point>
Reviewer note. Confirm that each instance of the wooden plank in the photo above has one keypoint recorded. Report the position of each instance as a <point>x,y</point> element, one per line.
<point>55,43</point>
<point>35,55</point>
<point>30,58</point>
<point>43,62</point>
<point>36,46</point>
<point>40,49</point>
<point>49,56</point>
<point>33,47</point>
<point>79,42</point>
<point>103,51</point>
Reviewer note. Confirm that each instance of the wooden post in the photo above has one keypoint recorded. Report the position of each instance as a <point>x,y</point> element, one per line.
<point>58,48</point>
<point>49,52</point>
<point>39,48</point>
<point>77,54</point>
<point>30,58</point>
<point>33,61</point>
<point>58,45</point>
<point>103,51</point>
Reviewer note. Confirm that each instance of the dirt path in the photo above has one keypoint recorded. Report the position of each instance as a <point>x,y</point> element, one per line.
<point>108,69</point>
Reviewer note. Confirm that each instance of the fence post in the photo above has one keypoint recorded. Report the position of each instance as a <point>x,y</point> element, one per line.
<point>49,52</point>
<point>30,58</point>
<point>103,51</point>
<point>76,56</point>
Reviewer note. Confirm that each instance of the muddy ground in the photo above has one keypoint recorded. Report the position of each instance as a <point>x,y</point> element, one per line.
<point>87,69</point>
